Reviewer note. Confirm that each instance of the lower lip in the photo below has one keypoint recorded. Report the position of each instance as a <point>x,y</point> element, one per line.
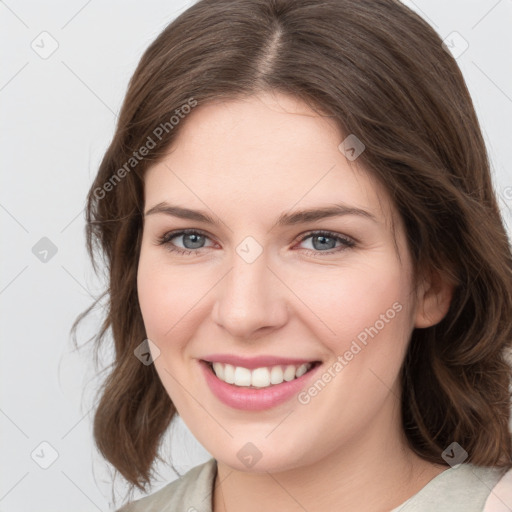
<point>253,399</point>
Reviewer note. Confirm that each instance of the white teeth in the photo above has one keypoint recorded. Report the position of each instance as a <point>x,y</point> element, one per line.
<point>259,377</point>
<point>219,370</point>
<point>301,370</point>
<point>242,376</point>
<point>276,375</point>
<point>289,373</point>
<point>229,373</point>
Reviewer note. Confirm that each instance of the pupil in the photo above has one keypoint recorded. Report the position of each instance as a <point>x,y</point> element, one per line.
<point>196,241</point>
<point>324,238</point>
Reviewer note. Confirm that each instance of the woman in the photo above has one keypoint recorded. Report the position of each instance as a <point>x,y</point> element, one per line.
<point>307,263</point>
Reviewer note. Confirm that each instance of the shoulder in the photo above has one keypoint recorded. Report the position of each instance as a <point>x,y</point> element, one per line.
<point>463,488</point>
<point>192,492</point>
<point>500,497</point>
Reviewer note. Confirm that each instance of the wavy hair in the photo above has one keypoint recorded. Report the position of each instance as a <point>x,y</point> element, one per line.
<point>380,72</point>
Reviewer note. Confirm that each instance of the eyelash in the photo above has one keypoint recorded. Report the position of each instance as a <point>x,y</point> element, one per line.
<point>165,240</point>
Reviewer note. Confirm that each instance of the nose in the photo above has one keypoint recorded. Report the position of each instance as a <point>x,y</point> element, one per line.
<point>251,300</point>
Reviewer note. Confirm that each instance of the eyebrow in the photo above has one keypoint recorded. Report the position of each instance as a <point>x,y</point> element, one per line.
<point>285,219</point>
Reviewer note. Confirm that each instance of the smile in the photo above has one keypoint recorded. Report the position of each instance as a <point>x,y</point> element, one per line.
<point>263,377</point>
<point>268,383</point>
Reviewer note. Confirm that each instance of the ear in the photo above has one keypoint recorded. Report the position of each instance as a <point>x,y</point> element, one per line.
<point>434,296</point>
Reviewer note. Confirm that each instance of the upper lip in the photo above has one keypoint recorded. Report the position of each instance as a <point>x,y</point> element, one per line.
<point>255,362</point>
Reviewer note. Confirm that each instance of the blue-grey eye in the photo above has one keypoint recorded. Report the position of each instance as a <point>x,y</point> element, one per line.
<point>192,240</point>
<point>325,242</point>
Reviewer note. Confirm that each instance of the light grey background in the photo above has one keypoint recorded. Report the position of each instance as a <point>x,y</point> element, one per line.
<point>58,116</point>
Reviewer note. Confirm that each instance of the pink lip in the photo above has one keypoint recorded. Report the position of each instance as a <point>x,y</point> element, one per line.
<point>254,362</point>
<point>253,399</point>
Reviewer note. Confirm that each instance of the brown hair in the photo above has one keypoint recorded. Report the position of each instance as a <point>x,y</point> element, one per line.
<point>381,73</point>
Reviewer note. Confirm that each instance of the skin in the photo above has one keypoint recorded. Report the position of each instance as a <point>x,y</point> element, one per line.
<point>245,162</point>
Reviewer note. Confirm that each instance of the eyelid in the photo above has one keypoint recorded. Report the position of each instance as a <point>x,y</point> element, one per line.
<point>327,233</point>
<point>347,241</point>
<point>300,238</point>
<point>168,236</point>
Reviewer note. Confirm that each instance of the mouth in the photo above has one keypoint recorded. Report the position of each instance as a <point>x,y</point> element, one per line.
<point>259,378</point>
<point>247,384</point>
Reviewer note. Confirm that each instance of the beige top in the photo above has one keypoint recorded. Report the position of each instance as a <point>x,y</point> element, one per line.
<point>463,488</point>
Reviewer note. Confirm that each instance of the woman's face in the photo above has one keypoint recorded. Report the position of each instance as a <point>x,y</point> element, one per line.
<point>266,290</point>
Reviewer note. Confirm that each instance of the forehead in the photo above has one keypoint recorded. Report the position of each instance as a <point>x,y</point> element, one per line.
<point>265,153</point>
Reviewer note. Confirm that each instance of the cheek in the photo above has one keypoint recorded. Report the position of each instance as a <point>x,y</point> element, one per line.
<point>338,305</point>
<point>364,302</point>
<point>170,297</point>
<point>153,299</point>
<point>368,308</point>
